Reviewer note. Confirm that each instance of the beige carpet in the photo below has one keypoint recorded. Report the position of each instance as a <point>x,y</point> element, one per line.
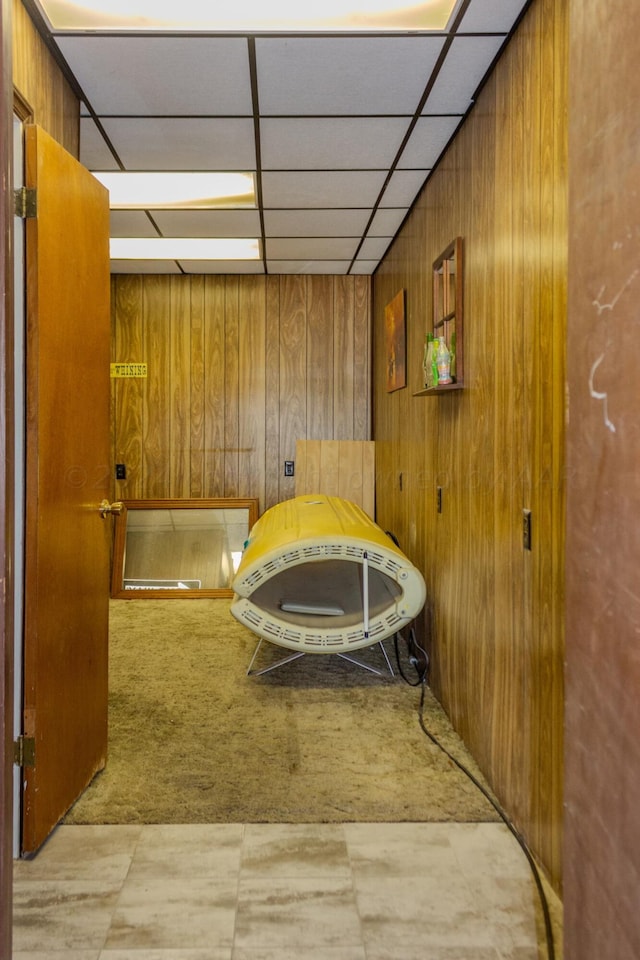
<point>194,740</point>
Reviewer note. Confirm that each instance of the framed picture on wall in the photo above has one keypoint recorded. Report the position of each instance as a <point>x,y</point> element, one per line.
<point>396,342</point>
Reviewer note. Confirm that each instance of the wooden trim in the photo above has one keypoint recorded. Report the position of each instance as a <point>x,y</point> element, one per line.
<point>21,107</point>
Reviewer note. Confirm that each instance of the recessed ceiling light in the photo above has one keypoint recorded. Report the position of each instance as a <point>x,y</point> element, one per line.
<point>248,15</point>
<point>183,248</point>
<point>184,191</point>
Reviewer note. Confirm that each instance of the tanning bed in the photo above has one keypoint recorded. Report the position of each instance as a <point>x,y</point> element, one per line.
<point>317,575</point>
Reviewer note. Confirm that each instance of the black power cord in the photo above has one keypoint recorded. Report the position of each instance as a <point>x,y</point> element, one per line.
<point>417,655</point>
<point>551,953</point>
<point>419,659</point>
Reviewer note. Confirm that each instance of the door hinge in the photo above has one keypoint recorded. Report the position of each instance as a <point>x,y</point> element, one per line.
<point>24,752</point>
<point>25,203</point>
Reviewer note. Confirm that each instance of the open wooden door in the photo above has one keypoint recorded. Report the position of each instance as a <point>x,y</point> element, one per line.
<point>67,476</point>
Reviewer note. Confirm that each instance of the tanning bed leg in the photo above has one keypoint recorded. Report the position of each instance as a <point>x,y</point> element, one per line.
<point>274,666</point>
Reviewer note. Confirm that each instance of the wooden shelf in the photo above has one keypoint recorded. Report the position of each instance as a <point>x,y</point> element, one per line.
<point>447,274</point>
<point>443,388</point>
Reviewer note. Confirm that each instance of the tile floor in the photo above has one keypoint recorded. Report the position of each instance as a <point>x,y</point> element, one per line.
<point>261,891</point>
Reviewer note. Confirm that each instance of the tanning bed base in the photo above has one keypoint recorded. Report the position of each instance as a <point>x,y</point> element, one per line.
<point>319,576</point>
<point>297,656</point>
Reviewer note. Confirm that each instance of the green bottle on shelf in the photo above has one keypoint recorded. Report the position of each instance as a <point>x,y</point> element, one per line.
<point>427,371</point>
<point>434,364</point>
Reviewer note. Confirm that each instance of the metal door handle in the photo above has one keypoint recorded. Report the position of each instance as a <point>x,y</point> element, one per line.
<point>107,508</point>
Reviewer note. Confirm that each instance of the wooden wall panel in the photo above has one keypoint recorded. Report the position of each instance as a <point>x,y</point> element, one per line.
<point>496,447</point>
<point>215,386</point>
<point>252,366</point>
<point>293,370</point>
<point>231,385</point>
<point>41,84</point>
<point>273,464</point>
<point>338,468</point>
<point>320,345</point>
<point>128,395</point>
<point>239,370</point>
<point>197,388</point>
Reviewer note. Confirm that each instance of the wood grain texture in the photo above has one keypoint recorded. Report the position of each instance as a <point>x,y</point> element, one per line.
<point>41,84</point>
<point>67,545</point>
<point>495,447</point>
<point>7,573</point>
<point>239,369</point>
<point>338,468</point>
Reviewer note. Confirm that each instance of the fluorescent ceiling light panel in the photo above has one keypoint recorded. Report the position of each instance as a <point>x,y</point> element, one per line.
<point>178,191</point>
<point>183,248</point>
<point>248,15</point>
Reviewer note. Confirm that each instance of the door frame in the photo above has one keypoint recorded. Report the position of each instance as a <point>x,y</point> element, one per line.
<point>6,483</point>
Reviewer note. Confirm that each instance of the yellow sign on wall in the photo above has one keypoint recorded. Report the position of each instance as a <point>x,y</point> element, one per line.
<point>128,370</point>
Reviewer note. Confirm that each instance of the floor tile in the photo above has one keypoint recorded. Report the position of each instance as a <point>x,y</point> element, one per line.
<point>427,951</point>
<point>400,849</point>
<point>407,891</point>
<point>168,914</point>
<point>296,913</point>
<point>200,850</point>
<point>306,952</point>
<point>435,911</point>
<point>72,852</point>
<point>62,914</point>
<point>208,953</point>
<point>56,955</point>
<point>299,850</point>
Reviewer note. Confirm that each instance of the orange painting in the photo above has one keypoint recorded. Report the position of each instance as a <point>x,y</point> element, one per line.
<point>395,340</point>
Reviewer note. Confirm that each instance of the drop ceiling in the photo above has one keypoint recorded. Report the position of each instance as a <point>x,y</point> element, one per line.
<point>342,130</point>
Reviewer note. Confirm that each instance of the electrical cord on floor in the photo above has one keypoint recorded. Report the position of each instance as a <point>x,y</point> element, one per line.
<point>503,816</point>
<point>418,658</point>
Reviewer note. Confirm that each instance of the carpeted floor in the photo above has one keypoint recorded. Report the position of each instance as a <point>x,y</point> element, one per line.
<point>194,740</point>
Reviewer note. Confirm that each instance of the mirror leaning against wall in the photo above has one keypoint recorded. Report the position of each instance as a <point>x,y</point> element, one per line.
<point>179,548</point>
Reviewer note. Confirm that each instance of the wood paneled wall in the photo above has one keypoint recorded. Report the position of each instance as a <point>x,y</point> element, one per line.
<point>338,468</point>
<point>239,369</point>
<point>41,85</point>
<point>494,611</point>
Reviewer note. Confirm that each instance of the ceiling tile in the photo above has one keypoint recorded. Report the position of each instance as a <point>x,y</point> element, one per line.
<point>161,143</point>
<point>144,266</point>
<point>363,267</point>
<point>142,76</point>
<point>403,187</point>
<point>94,152</point>
<point>334,110</point>
<point>302,248</point>
<point>208,223</point>
<point>490,16</point>
<point>344,75</point>
<point>468,60</point>
<point>222,266</point>
<point>349,188</point>
<point>337,143</point>
<point>373,248</point>
<point>308,266</point>
<point>131,223</point>
<point>427,141</point>
<point>315,223</point>
<point>386,223</point>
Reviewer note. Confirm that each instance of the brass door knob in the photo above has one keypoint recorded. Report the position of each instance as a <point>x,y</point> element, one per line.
<point>106,508</point>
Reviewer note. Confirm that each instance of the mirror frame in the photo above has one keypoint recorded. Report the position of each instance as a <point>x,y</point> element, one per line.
<point>120,538</point>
